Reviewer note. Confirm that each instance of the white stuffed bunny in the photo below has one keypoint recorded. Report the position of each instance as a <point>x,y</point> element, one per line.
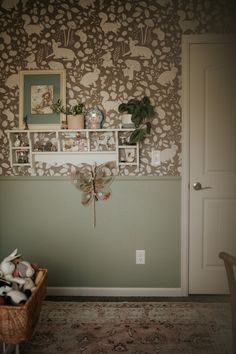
<point>7,268</point>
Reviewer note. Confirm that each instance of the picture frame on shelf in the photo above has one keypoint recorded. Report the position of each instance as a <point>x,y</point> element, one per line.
<point>38,89</point>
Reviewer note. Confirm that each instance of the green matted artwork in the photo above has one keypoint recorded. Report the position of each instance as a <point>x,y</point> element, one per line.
<point>38,90</point>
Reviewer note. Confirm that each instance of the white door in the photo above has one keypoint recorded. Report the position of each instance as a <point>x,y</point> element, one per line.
<point>212,162</point>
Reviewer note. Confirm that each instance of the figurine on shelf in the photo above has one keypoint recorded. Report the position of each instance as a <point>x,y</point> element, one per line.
<point>130,155</point>
<point>94,118</point>
<point>22,156</point>
<point>17,142</point>
<point>123,140</point>
<point>24,140</point>
<point>48,146</point>
<point>25,120</point>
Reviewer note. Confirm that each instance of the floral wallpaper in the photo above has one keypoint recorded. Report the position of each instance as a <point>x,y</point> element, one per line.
<point>112,51</point>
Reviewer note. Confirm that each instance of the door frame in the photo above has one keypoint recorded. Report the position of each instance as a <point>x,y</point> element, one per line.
<point>187,41</point>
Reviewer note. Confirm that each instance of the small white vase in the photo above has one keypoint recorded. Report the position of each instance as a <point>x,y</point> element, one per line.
<point>75,122</point>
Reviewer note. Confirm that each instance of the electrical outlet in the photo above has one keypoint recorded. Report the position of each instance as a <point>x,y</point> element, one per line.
<point>156,158</point>
<point>140,256</point>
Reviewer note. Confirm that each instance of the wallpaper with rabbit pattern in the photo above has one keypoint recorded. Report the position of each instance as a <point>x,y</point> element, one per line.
<point>112,51</point>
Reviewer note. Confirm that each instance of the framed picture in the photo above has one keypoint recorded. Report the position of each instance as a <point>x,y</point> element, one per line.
<point>38,90</point>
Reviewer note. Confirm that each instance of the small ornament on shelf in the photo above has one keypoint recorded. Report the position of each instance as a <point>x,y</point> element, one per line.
<point>122,140</point>
<point>94,118</point>
<point>130,155</point>
<point>22,156</point>
<point>17,142</point>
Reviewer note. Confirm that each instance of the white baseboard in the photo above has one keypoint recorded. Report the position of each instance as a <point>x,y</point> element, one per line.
<point>87,291</point>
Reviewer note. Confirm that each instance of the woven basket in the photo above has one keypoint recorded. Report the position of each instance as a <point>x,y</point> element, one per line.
<point>17,323</point>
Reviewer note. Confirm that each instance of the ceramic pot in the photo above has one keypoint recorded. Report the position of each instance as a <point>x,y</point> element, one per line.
<point>126,120</point>
<point>75,122</point>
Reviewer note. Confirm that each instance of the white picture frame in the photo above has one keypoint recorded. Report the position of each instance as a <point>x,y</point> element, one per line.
<point>33,86</point>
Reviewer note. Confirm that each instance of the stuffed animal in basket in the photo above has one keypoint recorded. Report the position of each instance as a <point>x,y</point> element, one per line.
<point>14,269</point>
<point>7,268</point>
<point>23,269</point>
<point>11,296</point>
<point>28,287</point>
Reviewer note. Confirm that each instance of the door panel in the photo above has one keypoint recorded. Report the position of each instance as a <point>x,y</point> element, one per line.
<point>219,218</point>
<point>212,115</point>
<point>220,121</point>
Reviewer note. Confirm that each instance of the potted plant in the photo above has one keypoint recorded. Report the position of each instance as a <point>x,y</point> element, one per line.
<point>141,111</point>
<point>74,115</point>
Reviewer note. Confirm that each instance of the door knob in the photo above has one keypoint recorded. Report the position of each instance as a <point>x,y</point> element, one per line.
<point>197,186</point>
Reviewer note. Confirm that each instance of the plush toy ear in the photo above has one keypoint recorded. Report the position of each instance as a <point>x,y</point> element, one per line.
<point>12,256</point>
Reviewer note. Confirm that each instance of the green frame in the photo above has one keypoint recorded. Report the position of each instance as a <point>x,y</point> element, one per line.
<point>28,78</point>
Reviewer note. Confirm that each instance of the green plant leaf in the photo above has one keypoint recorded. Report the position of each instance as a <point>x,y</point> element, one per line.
<point>141,111</point>
<point>134,101</point>
<point>151,111</point>
<point>146,100</point>
<point>137,135</point>
<point>122,107</point>
<point>149,127</point>
<point>78,109</point>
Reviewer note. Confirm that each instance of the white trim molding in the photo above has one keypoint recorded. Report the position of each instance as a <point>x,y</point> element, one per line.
<point>96,291</point>
<point>186,40</point>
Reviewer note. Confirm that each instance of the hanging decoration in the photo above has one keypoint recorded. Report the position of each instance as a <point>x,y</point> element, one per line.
<point>94,181</point>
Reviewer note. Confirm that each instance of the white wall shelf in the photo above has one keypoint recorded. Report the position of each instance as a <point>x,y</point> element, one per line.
<point>58,147</point>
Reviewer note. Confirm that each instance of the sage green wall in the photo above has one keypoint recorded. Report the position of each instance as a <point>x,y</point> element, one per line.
<point>44,219</point>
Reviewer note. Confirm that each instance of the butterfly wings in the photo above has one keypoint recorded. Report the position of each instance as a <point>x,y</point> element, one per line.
<point>103,180</point>
<point>94,181</point>
<point>86,187</point>
<point>102,190</point>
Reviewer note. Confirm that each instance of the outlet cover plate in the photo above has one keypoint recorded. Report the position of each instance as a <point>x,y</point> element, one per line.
<point>156,158</point>
<point>140,256</point>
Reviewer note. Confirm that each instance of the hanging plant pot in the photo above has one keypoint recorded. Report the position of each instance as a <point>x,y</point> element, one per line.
<point>75,121</point>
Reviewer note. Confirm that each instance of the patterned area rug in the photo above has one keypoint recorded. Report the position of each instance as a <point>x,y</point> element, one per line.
<point>131,327</point>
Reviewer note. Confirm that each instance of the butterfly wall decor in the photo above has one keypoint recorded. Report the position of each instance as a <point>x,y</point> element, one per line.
<point>94,182</point>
